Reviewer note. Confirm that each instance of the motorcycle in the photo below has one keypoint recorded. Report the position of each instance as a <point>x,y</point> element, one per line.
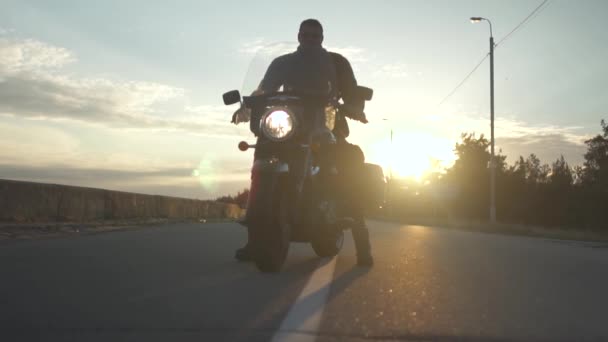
<point>293,195</point>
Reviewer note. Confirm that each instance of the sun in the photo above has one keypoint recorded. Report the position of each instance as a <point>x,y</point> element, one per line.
<point>411,155</point>
<point>412,165</point>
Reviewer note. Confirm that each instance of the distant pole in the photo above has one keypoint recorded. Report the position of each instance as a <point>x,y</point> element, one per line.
<point>391,166</point>
<point>492,157</point>
<point>389,192</point>
<point>391,175</point>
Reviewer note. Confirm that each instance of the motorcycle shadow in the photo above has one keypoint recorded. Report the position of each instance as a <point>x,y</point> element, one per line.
<point>300,273</point>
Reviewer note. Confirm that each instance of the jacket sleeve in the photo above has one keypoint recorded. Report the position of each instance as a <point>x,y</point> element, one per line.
<point>347,83</point>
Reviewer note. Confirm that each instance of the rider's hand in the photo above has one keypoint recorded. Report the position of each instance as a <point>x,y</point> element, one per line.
<point>362,118</point>
<point>243,114</point>
<point>355,112</point>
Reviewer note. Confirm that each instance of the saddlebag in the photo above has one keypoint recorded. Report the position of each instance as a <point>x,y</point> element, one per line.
<point>362,184</point>
<point>373,186</point>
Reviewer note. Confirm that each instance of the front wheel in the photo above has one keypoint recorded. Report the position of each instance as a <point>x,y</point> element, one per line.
<point>270,225</point>
<point>274,245</point>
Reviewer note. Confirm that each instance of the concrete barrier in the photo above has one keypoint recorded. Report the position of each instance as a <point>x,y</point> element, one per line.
<point>22,202</point>
<point>79,204</point>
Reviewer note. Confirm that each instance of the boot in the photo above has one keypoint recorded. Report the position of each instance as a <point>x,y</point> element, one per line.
<point>362,244</point>
<point>245,253</point>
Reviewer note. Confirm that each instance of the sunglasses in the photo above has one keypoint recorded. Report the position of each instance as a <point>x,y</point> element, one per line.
<point>311,35</point>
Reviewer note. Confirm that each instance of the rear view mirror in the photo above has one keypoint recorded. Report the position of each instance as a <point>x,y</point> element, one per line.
<point>232,97</point>
<point>364,93</point>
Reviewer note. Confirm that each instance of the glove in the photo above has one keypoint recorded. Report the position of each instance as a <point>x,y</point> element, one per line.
<point>362,118</point>
<point>243,114</point>
<point>354,112</point>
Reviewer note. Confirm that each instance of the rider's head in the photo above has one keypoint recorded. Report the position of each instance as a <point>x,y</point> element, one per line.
<point>311,33</point>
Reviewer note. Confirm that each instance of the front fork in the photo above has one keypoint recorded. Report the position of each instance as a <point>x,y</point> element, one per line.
<point>265,178</point>
<point>311,187</point>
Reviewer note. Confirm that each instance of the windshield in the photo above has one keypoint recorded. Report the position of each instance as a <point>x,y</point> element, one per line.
<point>263,56</point>
<point>307,70</point>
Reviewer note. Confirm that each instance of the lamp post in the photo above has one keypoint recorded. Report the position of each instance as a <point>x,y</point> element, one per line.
<point>391,150</point>
<point>390,177</point>
<point>492,159</point>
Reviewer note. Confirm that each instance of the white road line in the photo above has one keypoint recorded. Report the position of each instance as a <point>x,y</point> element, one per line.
<point>304,317</point>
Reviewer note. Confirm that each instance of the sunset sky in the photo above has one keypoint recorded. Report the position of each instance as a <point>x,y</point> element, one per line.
<point>126,95</point>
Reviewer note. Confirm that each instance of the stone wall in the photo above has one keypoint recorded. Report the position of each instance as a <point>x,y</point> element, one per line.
<point>22,202</point>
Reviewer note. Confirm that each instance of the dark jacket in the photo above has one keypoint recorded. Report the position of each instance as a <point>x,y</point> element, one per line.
<point>290,68</point>
<point>347,85</point>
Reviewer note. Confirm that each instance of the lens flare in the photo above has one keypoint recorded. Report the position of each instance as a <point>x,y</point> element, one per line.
<point>206,174</point>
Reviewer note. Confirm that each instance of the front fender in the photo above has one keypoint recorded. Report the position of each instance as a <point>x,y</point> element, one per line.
<point>265,179</point>
<point>269,165</point>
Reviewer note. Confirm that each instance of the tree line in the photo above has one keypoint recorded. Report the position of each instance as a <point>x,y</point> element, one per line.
<point>527,192</point>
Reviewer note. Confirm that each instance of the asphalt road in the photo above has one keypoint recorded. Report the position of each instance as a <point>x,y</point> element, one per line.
<point>180,283</point>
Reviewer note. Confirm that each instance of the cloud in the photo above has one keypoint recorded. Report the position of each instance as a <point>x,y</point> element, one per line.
<point>6,31</point>
<point>516,137</point>
<point>121,105</point>
<point>31,55</point>
<point>456,122</point>
<point>50,155</point>
<point>352,53</point>
<point>392,70</point>
<point>220,113</point>
<point>548,147</point>
<point>177,182</point>
<point>32,86</point>
<point>261,47</point>
<point>252,47</point>
<point>37,146</point>
<point>41,145</point>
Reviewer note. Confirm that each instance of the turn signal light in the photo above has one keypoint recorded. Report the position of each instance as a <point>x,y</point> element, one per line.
<point>243,146</point>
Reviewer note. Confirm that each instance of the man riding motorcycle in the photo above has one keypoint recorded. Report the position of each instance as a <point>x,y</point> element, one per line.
<point>311,67</point>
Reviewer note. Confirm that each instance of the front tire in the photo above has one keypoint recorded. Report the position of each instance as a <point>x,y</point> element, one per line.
<point>270,224</point>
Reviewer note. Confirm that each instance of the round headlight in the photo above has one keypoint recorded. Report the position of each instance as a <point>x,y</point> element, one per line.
<point>278,124</point>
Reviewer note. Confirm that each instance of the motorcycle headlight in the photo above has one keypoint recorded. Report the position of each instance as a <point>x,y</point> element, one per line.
<point>278,124</point>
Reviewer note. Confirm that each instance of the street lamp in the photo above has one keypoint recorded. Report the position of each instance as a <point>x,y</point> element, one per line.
<point>390,179</point>
<point>492,160</point>
<point>391,163</point>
